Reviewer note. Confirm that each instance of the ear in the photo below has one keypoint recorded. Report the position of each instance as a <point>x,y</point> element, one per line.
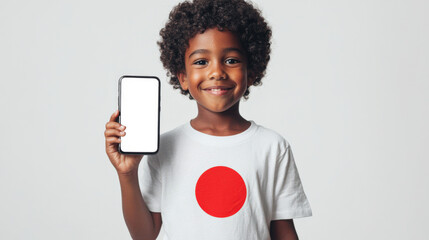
<point>183,80</point>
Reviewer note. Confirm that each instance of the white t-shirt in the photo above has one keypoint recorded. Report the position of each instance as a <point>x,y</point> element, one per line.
<point>222,187</point>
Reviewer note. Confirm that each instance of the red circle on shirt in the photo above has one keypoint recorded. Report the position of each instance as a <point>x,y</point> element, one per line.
<point>221,191</point>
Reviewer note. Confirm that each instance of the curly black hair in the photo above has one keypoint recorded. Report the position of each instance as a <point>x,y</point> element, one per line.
<point>238,16</point>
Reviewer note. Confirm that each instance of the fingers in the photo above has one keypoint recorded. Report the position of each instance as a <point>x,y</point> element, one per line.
<point>112,140</point>
<point>111,132</point>
<point>114,116</point>
<point>114,130</point>
<point>115,125</point>
<point>112,122</point>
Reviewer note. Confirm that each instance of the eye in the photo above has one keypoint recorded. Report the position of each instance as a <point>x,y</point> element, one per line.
<point>200,62</point>
<point>232,61</point>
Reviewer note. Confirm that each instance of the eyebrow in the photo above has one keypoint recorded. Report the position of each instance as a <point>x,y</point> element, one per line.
<point>226,50</point>
<point>198,51</point>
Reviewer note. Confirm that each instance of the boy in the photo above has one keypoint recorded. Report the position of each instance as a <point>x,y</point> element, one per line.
<point>218,176</point>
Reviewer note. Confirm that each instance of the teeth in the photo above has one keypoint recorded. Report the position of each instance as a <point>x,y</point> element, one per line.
<point>216,89</point>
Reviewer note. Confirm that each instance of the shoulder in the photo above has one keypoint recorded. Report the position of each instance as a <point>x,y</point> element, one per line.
<point>269,140</point>
<point>173,133</point>
<point>172,137</point>
<point>270,135</point>
<point>168,142</point>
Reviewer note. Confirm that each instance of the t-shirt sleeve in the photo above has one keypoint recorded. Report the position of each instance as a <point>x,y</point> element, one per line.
<point>290,200</point>
<point>150,182</point>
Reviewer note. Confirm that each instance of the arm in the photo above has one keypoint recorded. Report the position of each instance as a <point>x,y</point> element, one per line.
<point>283,230</point>
<point>142,224</point>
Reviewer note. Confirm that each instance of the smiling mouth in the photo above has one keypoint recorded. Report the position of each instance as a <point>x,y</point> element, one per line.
<point>218,91</point>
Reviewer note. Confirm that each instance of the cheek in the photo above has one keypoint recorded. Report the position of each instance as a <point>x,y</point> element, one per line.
<point>241,74</point>
<point>195,77</point>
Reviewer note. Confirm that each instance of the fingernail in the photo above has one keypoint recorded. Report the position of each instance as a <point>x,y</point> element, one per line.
<point>122,127</point>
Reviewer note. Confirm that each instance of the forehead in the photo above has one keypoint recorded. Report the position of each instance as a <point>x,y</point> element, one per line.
<point>213,39</point>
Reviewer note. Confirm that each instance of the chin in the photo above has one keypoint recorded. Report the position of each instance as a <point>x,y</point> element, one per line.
<point>220,109</point>
<point>216,109</point>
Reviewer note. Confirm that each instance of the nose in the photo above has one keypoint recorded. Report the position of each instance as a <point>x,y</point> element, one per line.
<point>217,72</point>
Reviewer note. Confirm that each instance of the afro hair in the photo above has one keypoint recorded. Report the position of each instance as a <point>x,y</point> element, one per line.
<point>238,16</point>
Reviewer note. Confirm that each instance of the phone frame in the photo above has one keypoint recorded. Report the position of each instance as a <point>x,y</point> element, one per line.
<point>159,111</point>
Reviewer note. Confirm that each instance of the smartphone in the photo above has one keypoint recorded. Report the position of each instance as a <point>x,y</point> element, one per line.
<point>139,110</point>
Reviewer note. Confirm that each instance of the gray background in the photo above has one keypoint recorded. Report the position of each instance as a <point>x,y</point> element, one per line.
<point>347,86</point>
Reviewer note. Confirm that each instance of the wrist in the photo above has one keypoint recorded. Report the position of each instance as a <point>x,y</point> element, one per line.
<point>128,175</point>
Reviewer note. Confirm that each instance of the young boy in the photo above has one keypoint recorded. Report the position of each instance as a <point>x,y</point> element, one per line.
<point>218,176</point>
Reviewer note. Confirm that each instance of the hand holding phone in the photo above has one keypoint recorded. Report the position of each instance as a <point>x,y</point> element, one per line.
<point>124,164</point>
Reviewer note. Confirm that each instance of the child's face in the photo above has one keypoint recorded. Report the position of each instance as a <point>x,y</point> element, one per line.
<point>216,70</point>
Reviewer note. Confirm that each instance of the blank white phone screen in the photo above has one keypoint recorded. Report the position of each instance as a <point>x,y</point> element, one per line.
<point>139,113</point>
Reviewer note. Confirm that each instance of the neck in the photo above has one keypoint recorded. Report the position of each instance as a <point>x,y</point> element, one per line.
<point>224,123</point>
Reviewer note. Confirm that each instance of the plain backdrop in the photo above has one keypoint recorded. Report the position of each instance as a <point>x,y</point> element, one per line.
<point>347,86</point>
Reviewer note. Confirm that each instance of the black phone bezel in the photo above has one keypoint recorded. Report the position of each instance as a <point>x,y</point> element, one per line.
<point>159,111</point>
